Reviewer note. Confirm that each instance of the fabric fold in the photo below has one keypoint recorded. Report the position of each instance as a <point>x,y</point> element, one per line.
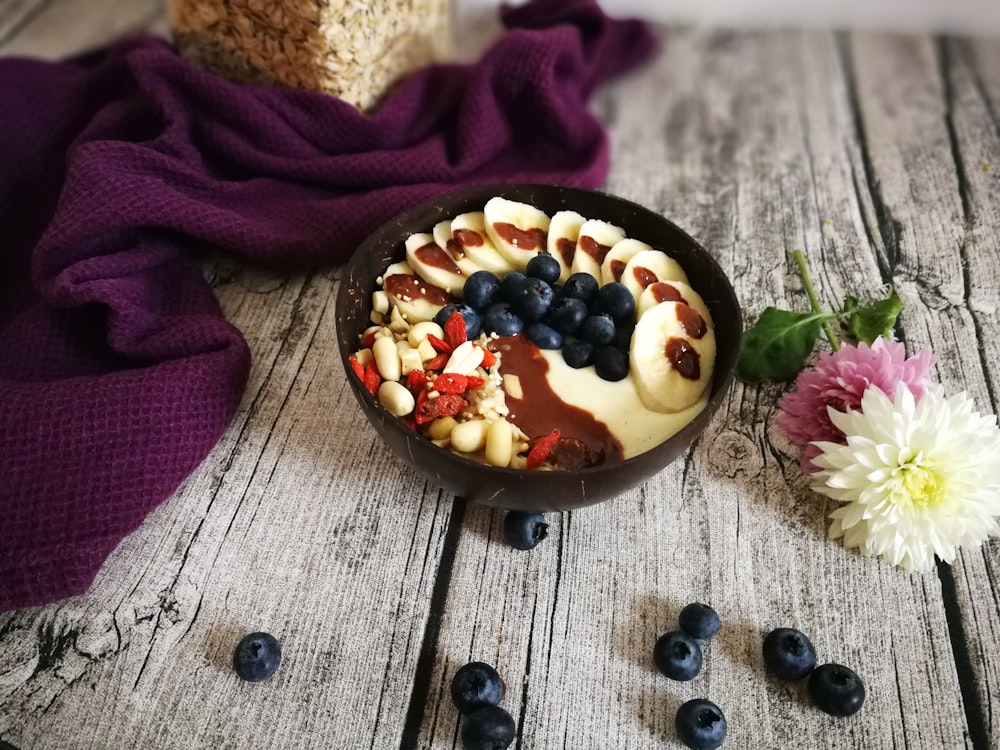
<point>118,373</point>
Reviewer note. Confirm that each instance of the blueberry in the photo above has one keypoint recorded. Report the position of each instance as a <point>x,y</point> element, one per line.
<point>578,354</point>
<point>475,685</point>
<point>581,286</point>
<point>473,323</point>
<point>699,621</point>
<point>543,336</point>
<point>700,724</point>
<point>623,335</point>
<point>524,530</point>
<point>543,266</point>
<point>488,728</point>
<point>611,363</point>
<point>677,655</point>
<point>481,290</point>
<point>616,300</point>
<point>510,286</point>
<point>533,300</point>
<point>501,320</point>
<point>566,314</point>
<point>836,689</point>
<point>789,654</point>
<point>597,329</point>
<point>257,657</point>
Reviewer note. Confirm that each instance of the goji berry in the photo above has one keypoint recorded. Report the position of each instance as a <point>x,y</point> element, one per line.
<point>372,378</point>
<point>451,382</point>
<point>369,339</point>
<point>416,381</point>
<point>454,330</point>
<point>449,404</point>
<point>437,363</point>
<point>439,345</point>
<point>473,382</point>
<point>541,449</point>
<point>489,358</point>
<point>428,409</point>
<point>358,368</point>
<point>423,412</point>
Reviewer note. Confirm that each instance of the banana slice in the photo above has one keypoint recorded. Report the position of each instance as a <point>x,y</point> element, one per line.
<point>614,262</point>
<point>647,268</point>
<point>433,264</point>
<point>444,239</point>
<point>416,299</point>
<point>400,267</point>
<point>564,230</point>
<point>468,230</point>
<point>518,230</point>
<point>592,246</point>
<point>672,291</point>
<point>672,356</point>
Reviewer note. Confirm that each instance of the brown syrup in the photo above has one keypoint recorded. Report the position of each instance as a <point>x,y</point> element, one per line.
<point>593,248</point>
<point>585,441</point>
<point>523,239</point>
<point>408,287</point>
<point>684,358</point>
<point>434,256</point>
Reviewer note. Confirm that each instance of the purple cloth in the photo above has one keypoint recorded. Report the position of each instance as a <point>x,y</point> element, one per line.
<point>118,373</point>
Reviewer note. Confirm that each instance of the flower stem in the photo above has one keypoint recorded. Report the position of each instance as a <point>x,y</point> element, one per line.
<point>800,260</point>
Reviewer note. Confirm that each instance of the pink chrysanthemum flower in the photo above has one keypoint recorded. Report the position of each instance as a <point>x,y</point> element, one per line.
<point>839,380</point>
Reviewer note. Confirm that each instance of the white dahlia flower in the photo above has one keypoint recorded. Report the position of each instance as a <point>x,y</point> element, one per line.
<point>917,479</point>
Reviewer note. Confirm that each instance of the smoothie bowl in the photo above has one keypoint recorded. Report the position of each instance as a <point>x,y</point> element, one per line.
<point>536,347</point>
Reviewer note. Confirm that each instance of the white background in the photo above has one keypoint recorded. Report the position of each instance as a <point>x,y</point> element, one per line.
<point>976,17</point>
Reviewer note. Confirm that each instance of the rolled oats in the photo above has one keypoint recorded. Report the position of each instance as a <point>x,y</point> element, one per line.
<point>353,50</point>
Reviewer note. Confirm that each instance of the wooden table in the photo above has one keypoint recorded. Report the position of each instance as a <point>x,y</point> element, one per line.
<point>878,155</point>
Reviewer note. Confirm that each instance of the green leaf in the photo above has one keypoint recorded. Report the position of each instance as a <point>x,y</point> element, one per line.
<point>868,322</point>
<point>777,346</point>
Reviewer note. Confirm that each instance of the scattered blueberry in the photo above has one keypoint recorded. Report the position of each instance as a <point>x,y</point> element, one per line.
<point>524,530</point>
<point>581,286</point>
<point>700,724</point>
<point>501,320</point>
<point>257,657</point>
<point>616,300</point>
<point>481,289</point>
<point>699,621</point>
<point>789,654</point>
<point>488,728</point>
<point>533,300</point>
<point>578,354</point>
<point>543,336</point>
<point>611,363</point>
<point>473,323</point>
<point>597,329</point>
<point>836,689</point>
<point>566,314</point>
<point>475,685</point>
<point>677,655</point>
<point>543,266</point>
<point>510,286</point>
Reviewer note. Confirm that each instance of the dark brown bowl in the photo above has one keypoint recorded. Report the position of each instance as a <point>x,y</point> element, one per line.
<point>521,489</point>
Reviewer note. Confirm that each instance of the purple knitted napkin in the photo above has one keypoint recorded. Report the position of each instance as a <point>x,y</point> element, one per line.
<point>118,373</point>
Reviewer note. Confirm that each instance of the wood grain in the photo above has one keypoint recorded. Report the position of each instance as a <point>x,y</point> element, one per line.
<point>878,155</point>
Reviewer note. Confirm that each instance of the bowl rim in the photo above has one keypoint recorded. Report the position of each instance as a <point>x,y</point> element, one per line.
<point>721,378</point>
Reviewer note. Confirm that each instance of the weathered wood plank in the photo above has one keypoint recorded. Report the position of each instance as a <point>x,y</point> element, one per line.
<point>932,144</point>
<point>298,523</point>
<point>56,28</point>
<point>930,130</point>
<point>747,140</point>
<point>14,14</point>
